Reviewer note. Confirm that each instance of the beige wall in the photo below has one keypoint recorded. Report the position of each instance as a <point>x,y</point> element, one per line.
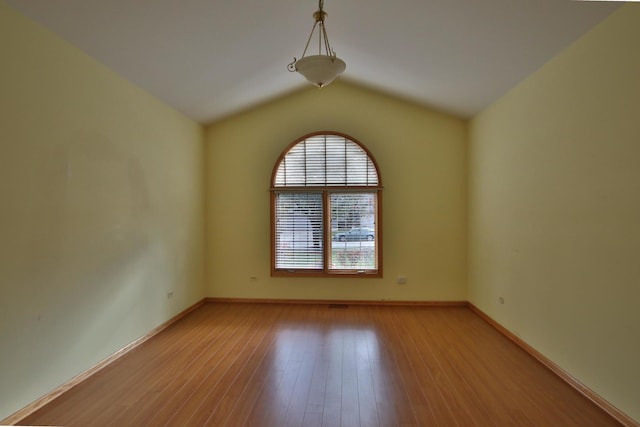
<point>555,210</point>
<point>421,155</point>
<point>101,212</point>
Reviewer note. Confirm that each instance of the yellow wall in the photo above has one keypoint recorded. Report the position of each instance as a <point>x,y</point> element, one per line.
<point>555,210</point>
<point>101,212</point>
<point>103,207</point>
<point>421,155</point>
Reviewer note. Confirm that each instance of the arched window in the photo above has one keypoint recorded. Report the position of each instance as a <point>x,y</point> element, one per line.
<point>326,209</point>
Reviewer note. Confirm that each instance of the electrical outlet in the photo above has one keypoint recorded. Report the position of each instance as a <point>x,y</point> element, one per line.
<point>401,280</point>
<point>169,294</point>
<point>501,300</point>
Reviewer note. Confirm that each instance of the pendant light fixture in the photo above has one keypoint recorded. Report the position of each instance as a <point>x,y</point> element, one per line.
<point>323,68</point>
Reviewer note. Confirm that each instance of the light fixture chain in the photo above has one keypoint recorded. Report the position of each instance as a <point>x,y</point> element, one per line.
<point>327,46</point>
<point>309,40</point>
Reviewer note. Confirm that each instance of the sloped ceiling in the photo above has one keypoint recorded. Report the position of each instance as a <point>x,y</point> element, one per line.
<point>212,58</point>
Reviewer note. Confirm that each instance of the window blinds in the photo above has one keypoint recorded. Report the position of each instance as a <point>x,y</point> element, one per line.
<point>326,160</point>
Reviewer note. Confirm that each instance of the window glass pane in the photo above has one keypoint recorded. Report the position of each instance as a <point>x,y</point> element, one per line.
<point>336,160</point>
<point>299,231</point>
<point>353,231</point>
<point>292,168</point>
<point>315,161</point>
<point>356,166</point>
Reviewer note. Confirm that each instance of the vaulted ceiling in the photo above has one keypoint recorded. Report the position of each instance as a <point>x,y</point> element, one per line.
<point>212,58</point>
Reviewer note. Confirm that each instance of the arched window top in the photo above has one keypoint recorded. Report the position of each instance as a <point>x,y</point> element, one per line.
<point>326,160</point>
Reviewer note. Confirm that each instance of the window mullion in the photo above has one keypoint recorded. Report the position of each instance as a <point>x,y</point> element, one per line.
<point>327,231</point>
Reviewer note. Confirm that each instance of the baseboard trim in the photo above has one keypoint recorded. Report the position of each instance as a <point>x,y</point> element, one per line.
<point>31,408</point>
<point>340,302</point>
<point>614,412</point>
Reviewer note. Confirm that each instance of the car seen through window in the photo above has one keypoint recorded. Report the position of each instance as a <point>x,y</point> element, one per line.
<point>355,234</point>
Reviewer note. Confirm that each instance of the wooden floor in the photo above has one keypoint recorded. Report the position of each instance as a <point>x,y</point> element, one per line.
<point>296,365</point>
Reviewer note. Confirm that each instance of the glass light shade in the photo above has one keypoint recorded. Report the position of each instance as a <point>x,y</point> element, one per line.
<point>320,69</point>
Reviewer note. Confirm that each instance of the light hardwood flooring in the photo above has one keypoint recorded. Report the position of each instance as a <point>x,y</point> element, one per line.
<point>311,365</point>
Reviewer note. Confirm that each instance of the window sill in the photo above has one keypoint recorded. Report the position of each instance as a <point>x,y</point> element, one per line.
<point>368,274</point>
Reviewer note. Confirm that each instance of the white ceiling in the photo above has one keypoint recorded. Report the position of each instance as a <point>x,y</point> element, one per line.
<point>211,58</point>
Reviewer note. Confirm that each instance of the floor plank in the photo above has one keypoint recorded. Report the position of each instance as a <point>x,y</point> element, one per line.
<point>312,365</point>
